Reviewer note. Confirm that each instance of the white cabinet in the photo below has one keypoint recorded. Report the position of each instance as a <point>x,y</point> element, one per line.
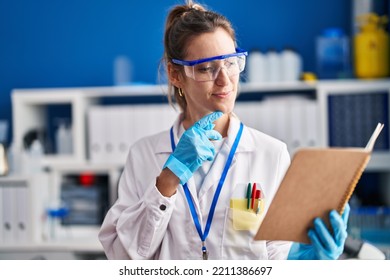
<point>30,112</point>
<point>350,111</point>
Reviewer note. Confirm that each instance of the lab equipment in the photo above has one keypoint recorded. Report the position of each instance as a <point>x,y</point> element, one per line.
<point>194,148</point>
<point>55,212</point>
<point>207,69</point>
<point>86,196</point>
<point>371,45</point>
<point>361,250</point>
<point>64,139</point>
<point>35,155</point>
<point>87,205</point>
<point>291,65</point>
<point>4,168</point>
<point>123,70</point>
<point>3,131</point>
<point>273,64</point>
<point>324,245</point>
<point>256,69</point>
<point>333,55</point>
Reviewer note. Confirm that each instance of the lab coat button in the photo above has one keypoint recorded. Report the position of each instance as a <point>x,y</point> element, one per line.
<point>163,207</point>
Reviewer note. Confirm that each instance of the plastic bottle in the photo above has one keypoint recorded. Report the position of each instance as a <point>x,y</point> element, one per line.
<point>69,135</point>
<point>55,212</point>
<point>256,67</point>
<point>64,139</point>
<point>122,70</point>
<point>61,138</point>
<point>291,65</point>
<point>14,159</point>
<point>273,66</point>
<point>35,157</point>
<point>333,55</point>
<point>3,161</point>
<point>371,44</point>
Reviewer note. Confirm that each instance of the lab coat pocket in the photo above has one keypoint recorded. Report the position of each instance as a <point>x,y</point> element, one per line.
<point>244,218</point>
<point>238,241</point>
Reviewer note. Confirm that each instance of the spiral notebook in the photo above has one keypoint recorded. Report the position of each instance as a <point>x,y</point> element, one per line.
<point>317,181</point>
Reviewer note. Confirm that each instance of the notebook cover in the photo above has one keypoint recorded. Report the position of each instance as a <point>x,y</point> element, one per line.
<point>317,181</point>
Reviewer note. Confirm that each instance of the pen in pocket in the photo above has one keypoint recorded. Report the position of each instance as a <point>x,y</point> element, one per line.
<point>258,196</point>
<point>248,195</point>
<point>253,196</point>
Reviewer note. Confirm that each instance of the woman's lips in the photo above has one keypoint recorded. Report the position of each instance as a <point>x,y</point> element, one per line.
<point>222,94</point>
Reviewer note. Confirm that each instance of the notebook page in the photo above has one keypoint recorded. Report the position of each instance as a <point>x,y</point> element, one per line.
<point>374,136</point>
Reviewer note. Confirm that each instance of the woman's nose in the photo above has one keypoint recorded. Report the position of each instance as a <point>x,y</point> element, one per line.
<point>222,77</point>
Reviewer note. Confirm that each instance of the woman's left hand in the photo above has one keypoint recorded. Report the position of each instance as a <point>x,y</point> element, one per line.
<point>324,245</point>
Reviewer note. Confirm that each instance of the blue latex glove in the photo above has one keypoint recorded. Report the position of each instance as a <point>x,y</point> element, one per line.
<point>194,147</point>
<point>323,245</point>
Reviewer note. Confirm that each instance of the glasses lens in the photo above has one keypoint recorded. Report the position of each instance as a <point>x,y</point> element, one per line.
<point>208,71</point>
<point>234,65</point>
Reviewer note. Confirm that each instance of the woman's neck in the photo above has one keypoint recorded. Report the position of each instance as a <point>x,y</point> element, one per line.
<point>221,125</point>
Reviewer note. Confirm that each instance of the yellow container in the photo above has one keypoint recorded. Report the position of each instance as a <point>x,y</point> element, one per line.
<point>371,46</point>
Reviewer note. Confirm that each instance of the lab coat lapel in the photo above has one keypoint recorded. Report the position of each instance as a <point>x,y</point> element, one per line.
<point>214,175</point>
<point>212,178</point>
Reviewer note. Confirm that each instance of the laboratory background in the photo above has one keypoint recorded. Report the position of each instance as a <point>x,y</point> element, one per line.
<point>80,81</point>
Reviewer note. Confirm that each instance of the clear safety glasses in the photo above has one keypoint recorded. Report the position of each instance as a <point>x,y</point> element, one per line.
<point>207,69</point>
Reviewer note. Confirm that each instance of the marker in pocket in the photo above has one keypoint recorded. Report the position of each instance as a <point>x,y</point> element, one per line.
<point>258,196</point>
<point>253,195</point>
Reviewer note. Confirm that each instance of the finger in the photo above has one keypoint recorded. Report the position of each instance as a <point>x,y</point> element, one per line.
<point>206,151</point>
<point>321,251</point>
<point>213,135</point>
<point>339,229</point>
<point>209,119</point>
<point>345,214</point>
<point>323,234</point>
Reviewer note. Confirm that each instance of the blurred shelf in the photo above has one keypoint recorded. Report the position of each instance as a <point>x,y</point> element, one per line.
<point>85,239</point>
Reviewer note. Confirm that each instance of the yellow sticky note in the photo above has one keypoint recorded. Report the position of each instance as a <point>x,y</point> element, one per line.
<point>243,218</point>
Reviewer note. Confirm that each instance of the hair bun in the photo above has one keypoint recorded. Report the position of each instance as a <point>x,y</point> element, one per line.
<point>197,7</point>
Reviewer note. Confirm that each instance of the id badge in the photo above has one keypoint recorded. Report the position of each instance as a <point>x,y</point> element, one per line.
<point>248,210</point>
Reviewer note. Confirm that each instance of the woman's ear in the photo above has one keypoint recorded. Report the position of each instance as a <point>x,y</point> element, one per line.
<point>174,75</point>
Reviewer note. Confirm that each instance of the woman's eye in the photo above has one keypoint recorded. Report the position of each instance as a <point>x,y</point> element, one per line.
<point>206,69</point>
<point>230,63</point>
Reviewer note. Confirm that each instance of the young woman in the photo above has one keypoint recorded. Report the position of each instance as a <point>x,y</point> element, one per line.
<point>183,192</point>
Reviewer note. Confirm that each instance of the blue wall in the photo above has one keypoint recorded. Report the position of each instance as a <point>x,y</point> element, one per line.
<point>53,43</point>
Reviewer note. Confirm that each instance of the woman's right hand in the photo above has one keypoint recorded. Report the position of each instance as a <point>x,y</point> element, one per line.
<point>194,148</point>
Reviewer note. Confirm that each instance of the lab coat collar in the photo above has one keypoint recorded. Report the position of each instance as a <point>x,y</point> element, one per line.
<point>247,143</point>
<point>215,172</point>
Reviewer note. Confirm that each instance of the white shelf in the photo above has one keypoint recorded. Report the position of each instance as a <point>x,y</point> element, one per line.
<point>380,161</point>
<point>42,95</point>
<point>28,113</point>
<point>292,87</point>
<point>84,240</point>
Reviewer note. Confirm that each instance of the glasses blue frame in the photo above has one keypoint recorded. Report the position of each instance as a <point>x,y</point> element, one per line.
<point>238,52</point>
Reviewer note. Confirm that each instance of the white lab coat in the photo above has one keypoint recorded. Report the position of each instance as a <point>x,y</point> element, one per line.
<point>143,224</point>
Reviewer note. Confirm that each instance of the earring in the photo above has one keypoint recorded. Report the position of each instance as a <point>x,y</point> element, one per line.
<point>181,94</point>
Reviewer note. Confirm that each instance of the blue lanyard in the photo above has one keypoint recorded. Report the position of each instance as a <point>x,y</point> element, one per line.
<point>194,215</point>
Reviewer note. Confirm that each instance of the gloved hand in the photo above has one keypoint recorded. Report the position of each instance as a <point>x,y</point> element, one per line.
<point>194,147</point>
<point>323,245</point>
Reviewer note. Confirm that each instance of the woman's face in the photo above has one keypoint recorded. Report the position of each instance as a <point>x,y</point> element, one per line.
<point>206,97</point>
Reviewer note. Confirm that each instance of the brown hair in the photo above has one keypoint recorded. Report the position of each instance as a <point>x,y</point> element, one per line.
<point>183,23</point>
